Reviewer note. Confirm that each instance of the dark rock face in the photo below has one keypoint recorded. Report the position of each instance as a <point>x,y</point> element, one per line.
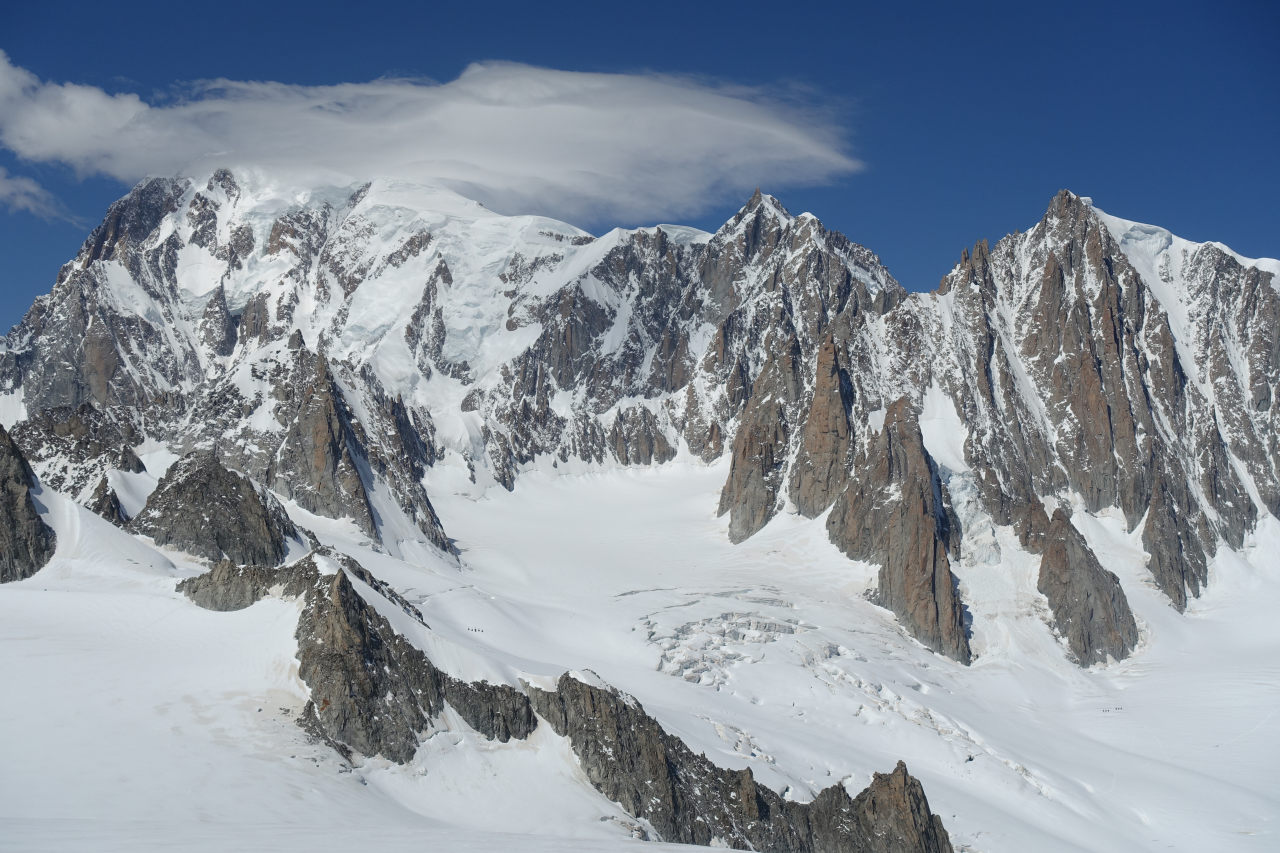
<point>757,468</point>
<point>26,542</point>
<point>72,448</point>
<point>638,439</point>
<point>1089,607</point>
<point>227,586</point>
<point>773,340</point>
<point>202,508</point>
<point>687,799</point>
<point>371,690</point>
<point>892,814</point>
<point>750,495</point>
<point>106,503</point>
<point>822,465</point>
<point>895,512</point>
<point>375,693</point>
<point>315,464</point>
<point>1178,562</point>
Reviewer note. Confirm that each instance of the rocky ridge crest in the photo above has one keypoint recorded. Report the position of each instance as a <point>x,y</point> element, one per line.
<point>374,693</point>
<point>341,347</point>
<point>26,542</point>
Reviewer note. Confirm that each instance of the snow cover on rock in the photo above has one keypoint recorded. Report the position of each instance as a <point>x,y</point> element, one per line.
<point>493,396</point>
<point>139,717</point>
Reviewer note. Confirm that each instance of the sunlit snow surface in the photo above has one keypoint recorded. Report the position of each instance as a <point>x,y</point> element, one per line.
<point>131,717</point>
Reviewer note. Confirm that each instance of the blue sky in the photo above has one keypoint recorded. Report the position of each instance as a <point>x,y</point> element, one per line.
<point>926,126</point>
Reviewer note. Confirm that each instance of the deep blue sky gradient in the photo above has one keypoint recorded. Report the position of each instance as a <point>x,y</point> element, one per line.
<point>968,116</point>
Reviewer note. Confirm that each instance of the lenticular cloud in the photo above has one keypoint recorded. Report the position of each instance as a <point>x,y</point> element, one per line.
<point>584,146</point>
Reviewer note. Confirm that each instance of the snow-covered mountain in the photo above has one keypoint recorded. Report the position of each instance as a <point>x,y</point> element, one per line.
<point>363,399</point>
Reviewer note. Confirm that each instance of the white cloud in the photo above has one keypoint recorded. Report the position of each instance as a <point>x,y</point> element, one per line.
<point>22,194</point>
<point>582,146</point>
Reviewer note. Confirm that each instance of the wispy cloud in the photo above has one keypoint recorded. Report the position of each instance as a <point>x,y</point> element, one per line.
<point>24,195</point>
<point>582,146</point>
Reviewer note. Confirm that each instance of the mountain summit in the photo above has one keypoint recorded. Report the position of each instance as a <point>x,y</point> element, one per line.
<point>351,356</point>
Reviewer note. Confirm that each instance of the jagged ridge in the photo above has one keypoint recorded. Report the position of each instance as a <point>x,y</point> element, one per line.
<point>340,344</point>
<point>375,693</point>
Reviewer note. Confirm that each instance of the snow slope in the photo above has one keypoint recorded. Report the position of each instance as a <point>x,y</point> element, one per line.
<point>766,654</point>
<point>142,723</point>
<point>137,721</point>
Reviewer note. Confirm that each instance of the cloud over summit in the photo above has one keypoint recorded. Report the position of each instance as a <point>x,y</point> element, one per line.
<point>582,146</point>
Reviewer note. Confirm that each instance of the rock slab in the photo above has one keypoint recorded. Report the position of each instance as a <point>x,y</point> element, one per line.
<point>1089,608</point>
<point>207,510</point>
<point>26,542</point>
<point>895,512</point>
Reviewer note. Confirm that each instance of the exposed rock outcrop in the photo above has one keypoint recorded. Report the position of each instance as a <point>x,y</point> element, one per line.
<point>72,448</point>
<point>316,465</point>
<point>895,512</point>
<point>228,586</point>
<point>822,465</point>
<point>106,503</point>
<point>371,690</point>
<point>1171,537</point>
<point>653,775</point>
<point>760,450</point>
<point>1089,608</point>
<point>201,507</point>
<point>375,693</point>
<point>893,816</point>
<point>26,542</point>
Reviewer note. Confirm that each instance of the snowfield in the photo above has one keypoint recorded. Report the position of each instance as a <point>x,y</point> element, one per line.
<point>135,720</point>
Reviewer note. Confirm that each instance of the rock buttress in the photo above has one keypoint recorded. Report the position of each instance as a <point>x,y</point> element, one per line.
<point>895,512</point>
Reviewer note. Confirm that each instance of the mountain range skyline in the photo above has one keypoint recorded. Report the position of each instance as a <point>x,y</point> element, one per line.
<point>551,521</point>
<point>927,144</point>
<point>802,428</point>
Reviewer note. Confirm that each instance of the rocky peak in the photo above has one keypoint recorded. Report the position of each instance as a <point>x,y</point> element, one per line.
<point>1087,356</point>
<point>896,512</point>
<point>202,508</point>
<point>757,227</point>
<point>26,542</point>
<point>1067,205</point>
<point>687,799</point>
<point>1090,609</point>
<point>317,463</point>
<point>133,218</point>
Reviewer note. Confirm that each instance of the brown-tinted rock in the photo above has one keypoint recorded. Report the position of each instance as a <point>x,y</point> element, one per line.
<point>637,438</point>
<point>1089,607</point>
<point>316,464</point>
<point>204,509</point>
<point>893,815</point>
<point>756,471</point>
<point>1177,556</point>
<point>821,466</point>
<point>653,775</point>
<point>26,542</point>
<point>894,512</point>
<point>750,495</point>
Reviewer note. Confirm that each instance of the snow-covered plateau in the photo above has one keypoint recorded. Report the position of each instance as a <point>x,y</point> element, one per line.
<point>1019,533</point>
